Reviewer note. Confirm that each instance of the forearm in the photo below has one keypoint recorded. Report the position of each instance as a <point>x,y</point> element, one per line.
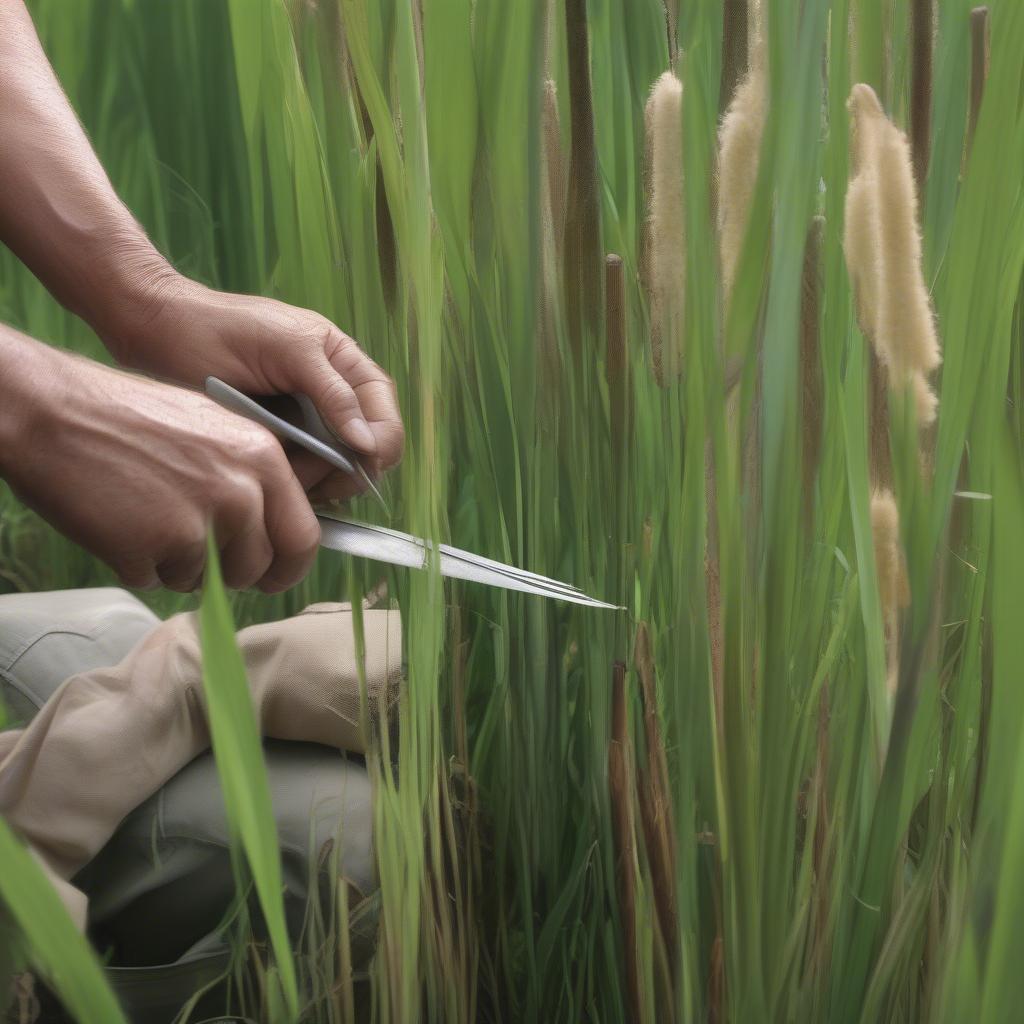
<point>58,211</point>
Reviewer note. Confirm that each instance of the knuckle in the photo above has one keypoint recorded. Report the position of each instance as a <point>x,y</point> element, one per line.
<point>135,573</point>
<point>263,451</point>
<point>301,539</point>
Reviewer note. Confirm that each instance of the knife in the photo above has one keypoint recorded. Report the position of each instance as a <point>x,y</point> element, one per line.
<point>380,543</point>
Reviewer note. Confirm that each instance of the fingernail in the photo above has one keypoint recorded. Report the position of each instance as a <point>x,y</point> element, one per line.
<point>359,435</point>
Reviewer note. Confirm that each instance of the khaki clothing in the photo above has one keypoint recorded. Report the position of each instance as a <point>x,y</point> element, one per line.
<point>111,782</point>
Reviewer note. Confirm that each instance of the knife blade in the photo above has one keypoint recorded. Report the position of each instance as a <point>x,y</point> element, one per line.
<point>382,544</point>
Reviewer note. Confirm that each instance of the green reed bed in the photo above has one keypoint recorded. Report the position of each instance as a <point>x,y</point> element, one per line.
<point>642,343</point>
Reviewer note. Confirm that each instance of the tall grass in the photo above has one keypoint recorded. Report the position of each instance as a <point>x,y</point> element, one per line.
<point>445,180</point>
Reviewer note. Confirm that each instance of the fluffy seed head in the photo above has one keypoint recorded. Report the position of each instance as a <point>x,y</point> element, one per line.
<point>893,587</point>
<point>882,243</point>
<point>666,227</point>
<point>738,158</point>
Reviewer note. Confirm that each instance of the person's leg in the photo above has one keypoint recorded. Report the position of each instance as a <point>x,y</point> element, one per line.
<point>46,638</point>
<point>173,851</point>
<point>110,737</point>
<point>168,864</point>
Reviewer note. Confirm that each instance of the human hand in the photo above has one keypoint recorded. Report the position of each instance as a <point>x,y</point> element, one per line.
<point>181,330</point>
<point>136,471</point>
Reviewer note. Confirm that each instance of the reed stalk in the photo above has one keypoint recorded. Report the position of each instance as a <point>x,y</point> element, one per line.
<point>620,788</point>
<point>582,252</point>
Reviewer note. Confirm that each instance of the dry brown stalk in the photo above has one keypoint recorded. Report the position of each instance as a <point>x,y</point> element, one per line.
<point>716,983</point>
<point>582,262</point>
<point>922,38</point>
<point>810,362</point>
<point>734,49</point>
<point>979,68</point>
<point>664,252</point>
<point>624,833</point>
<point>656,800</point>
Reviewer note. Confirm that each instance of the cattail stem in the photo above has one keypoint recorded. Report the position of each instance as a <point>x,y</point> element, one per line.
<point>810,363</point>
<point>554,163</point>
<point>979,68</point>
<point>624,833</point>
<point>656,800</point>
<point>734,49</point>
<point>582,266</point>
<point>922,30</point>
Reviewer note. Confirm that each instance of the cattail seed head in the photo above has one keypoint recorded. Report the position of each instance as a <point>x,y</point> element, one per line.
<point>890,567</point>
<point>665,251</point>
<point>882,243</point>
<point>738,160</point>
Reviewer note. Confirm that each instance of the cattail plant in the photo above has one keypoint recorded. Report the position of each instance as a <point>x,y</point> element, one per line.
<point>893,588</point>
<point>656,799</point>
<point>882,243</point>
<point>922,31</point>
<point>620,779</point>
<point>582,263</point>
<point>738,161</point>
<point>665,248</point>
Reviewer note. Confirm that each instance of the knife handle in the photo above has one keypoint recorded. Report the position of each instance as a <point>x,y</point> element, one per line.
<point>230,398</point>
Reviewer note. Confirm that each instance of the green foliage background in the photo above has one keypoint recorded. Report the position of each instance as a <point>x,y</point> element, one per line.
<point>840,855</point>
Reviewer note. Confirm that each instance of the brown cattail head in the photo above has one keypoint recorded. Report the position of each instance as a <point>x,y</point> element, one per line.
<point>583,255</point>
<point>665,249</point>
<point>739,152</point>
<point>890,566</point>
<point>882,243</point>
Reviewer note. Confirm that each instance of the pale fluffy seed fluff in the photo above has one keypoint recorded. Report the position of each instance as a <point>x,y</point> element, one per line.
<point>666,224</point>
<point>739,150</point>
<point>890,567</point>
<point>882,243</point>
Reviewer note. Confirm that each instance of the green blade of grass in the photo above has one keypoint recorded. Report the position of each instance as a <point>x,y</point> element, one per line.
<point>56,949</point>
<point>238,751</point>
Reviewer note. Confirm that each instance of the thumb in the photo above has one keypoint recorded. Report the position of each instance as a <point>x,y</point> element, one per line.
<point>338,405</point>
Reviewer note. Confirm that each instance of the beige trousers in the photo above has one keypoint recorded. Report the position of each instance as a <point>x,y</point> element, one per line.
<point>110,737</point>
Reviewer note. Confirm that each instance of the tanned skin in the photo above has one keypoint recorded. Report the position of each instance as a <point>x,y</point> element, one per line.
<point>132,469</point>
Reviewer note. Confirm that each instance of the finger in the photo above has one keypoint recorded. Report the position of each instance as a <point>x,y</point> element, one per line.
<point>182,568</point>
<point>310,469</point>
<point>337,487</point>
<point>337,403</point>
<point>322,482</point>
<point>292,529</point>
<point>247,555</point>
<point>376,394</point>
<point>138,574</point>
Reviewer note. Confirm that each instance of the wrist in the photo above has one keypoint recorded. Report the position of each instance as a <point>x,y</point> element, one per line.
<point>132,284</point>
